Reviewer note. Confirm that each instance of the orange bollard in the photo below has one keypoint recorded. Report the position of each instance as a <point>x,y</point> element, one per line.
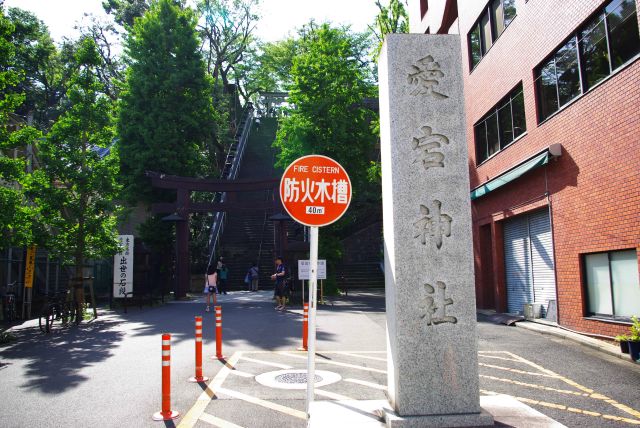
<point>219,333</point>
<point>166,414</point>
<point>198,376</point>
<point>305,327</point>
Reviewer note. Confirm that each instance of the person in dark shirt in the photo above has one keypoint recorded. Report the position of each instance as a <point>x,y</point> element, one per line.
<point>280,277</point>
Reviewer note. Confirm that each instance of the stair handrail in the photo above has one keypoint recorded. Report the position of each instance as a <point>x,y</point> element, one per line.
<point>240,141</point>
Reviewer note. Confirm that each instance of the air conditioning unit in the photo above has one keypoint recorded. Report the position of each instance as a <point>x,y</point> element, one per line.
<point>532,310</point>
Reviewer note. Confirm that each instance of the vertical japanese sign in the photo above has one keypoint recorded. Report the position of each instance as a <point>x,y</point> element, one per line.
<point>123,267</point>
<point>30,268</point>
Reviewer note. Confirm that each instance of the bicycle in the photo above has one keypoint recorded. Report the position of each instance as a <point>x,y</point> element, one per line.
<point>58,307</point>
<point>10,313</point>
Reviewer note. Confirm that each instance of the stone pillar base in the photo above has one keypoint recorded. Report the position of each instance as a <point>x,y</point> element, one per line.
<point>482,419</point>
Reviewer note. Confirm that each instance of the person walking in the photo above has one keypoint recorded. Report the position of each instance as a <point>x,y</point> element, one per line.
<point>280,277</point>
<point>223,273</point>
<point>210,285</point>
<point>254,276</point>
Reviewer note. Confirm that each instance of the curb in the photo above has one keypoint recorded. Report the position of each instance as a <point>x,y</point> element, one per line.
<point>590,342</point>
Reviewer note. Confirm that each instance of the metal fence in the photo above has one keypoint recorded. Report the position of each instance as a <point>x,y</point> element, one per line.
<point>50,275</point>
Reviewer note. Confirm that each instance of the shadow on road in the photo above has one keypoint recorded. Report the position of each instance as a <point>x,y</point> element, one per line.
<point>55,360</point>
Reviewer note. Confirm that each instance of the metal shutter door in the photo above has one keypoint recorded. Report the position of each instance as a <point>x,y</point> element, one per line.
<point>544,278</point>
<point>517,262</point>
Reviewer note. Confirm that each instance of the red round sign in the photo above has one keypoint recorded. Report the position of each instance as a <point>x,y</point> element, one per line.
<point>315,190</point>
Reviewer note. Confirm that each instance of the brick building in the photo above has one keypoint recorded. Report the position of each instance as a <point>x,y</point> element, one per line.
<point>552,93</point>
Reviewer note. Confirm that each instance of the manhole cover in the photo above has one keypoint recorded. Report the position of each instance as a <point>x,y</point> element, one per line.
<point>296,379</point>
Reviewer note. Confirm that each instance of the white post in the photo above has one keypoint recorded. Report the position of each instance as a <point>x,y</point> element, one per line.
<point>311,345</point>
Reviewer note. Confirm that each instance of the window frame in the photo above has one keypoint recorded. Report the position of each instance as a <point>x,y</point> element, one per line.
<point>486,11</point>
<point>583,84</point>
<point>585,287</point>
<point>505,101</point>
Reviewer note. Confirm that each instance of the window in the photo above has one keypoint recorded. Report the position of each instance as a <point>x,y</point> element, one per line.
<point>502,13</point>
<point>475,45</point>
<point>558,80</point>
<point>604,43</point>
<point>613,288</point>
<point>501,126</point>
<point>492,22</point>
<point>487,40</point>
<point>509,8</point>
<point>567,73</point>
<point>595,54</point>
<point>622,24</point>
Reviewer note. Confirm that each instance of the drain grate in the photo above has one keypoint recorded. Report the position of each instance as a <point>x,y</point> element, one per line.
<point>295,377</point>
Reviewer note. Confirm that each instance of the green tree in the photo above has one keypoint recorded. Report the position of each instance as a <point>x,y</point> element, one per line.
<point>107,39</point>
<point>76,188</point>
<point>165,115</point>
<point>37,58</point>
<point>330,79</point>
<point>265,67</point>
<point>16,213</point>
<point>125,11</point>
<point>390,19</point>
<point>226,30</point>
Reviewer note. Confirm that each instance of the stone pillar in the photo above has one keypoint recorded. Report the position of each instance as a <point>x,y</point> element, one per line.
<point>430,291</point>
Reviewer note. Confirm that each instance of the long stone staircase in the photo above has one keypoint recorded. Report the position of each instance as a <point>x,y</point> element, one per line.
<point>248,236</point>
<point>361,265</point>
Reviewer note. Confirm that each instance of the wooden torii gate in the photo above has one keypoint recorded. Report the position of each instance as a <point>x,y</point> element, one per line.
<point>184,206</point>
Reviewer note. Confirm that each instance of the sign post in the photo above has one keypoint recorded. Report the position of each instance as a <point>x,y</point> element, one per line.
<point>311,338</point>
<point>315,191</point>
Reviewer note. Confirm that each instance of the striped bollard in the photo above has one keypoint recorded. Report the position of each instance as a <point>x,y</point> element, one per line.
<point>198,376</point>
<point>219,355</point>
<point>305,327</point>
<point>166,413</point>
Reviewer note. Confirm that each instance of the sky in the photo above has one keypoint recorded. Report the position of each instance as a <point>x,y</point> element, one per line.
<point>278,17</point>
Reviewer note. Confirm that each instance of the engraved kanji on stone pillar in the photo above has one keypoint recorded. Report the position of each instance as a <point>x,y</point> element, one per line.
<point>425,74</point>
<point>436,304</point>
<point>434,224</point>
<point>426,144</point>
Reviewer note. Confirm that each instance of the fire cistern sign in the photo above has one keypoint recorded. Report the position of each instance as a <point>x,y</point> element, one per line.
<point>315,190</point>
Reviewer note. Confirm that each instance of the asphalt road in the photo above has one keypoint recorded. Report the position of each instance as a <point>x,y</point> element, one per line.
<point>569,382</point>
<point>107,373</point>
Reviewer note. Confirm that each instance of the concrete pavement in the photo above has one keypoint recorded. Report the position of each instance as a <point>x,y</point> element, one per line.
<point>107,372</point>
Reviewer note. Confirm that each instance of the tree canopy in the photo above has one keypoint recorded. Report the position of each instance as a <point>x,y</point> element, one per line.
<point>330,79</point>
<point>165,119</point>
<point>16,213</point>
<point>76,187</point>
<point>176,109</point>
<point>391,19</point>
